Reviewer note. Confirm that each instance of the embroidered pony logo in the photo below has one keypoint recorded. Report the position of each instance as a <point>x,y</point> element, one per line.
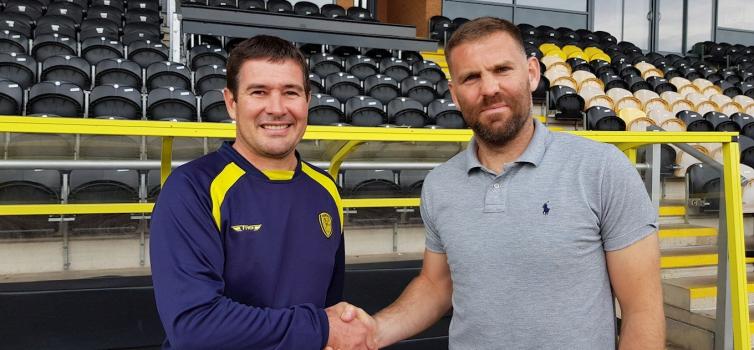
<point>545,208</point>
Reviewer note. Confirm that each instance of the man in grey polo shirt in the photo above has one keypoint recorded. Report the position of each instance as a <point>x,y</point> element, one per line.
<point>529,232</point>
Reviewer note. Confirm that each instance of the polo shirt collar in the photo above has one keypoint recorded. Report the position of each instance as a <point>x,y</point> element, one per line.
<point>533,154</point>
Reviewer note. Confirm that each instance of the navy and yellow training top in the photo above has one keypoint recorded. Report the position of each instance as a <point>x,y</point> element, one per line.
<point>243,259</point>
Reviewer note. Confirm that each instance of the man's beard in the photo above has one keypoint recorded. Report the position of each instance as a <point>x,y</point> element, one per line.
<point>502,135</point>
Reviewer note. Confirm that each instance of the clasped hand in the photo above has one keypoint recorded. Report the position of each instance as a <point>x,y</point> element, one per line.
<point>350,328</point>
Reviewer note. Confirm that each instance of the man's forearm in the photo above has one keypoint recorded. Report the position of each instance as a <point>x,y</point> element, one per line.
<point>642,330</point>
<point>419,306</point>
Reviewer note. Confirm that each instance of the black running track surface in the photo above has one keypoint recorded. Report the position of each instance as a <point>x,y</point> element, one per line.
<point>115,312</point>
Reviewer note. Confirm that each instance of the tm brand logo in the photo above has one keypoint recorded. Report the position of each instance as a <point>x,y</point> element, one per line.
<point>242,228</point>
<point>545,208</point>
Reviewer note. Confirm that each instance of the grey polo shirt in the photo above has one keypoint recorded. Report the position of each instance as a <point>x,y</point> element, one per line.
<point>526,248</point>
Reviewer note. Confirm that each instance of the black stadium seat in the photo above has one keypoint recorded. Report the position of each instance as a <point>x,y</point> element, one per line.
<point>118,4</point>
<point>211,77</point>
<point>418,88</point>
<point>26,192</point>
<point>29,8</point>
<point>143,16</point>
<point>115,101</point>
<point>99,27</point>
<point>141,31</point>
<point>279,6</point>
<point>442,89</point>
<point>361,66</point>
<point>745,123</point>
<point>152,5</point>
<point>603,119</point>
<point>396,68</point>
<point>118,71</point>
<point>567,101</point>
<point>445,114</point>
<point>72,69</point>
<point>378,53</point>
<point>359,14</point>
<point>168,103</point>
<point>325,110</point>
<point>406,111</point>
<point>146,52</point>
<point>231,4</point>
<point>19,68</point>
<point>15,23</point>
<point>704,182</point>
<point>364,111</point>
<point>98,49</point>
<point>332,11</point>
<point>428,70</point>
<point>13,42</point>
<point>440,28</point>
<point>411,56</point>
<point>11,98</point>
<point>56,98</point>
<point>342,86</point>
<point>67,9</point>
<point>48,45</point>
<point>202,55</point>
<point>344,50</point>
<point>721,122</point>
<point>325,64</point>
<point>381,87</point>
<point>660,85</point>
<point>315,84</point>
<point>51,24</point>
<point>306,8</point>
<point>162,74</point>
<point>256,5</point>
<point>694,121</point>
<point>213,107</point>
<point>108,13</point>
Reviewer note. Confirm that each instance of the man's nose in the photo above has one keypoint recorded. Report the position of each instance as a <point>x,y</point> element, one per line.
<point>490,86</point>
<point>274,105</point>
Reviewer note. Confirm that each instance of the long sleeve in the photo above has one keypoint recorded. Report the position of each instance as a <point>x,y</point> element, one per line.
<point>187,269</point>
<point>335,291</point>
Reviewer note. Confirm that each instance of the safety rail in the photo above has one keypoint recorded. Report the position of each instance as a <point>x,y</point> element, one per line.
<point>350,138</point>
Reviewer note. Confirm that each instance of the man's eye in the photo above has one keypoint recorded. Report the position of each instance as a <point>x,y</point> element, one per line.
<point>257,92</point>
<point>292,93</point>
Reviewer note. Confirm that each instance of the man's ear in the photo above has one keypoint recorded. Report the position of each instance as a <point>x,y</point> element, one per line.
<point>230,103</point>
<point>451,88</point>
<point>534,73</point>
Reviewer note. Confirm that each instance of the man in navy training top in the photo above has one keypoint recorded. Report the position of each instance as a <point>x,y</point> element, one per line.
<point>247,242</point>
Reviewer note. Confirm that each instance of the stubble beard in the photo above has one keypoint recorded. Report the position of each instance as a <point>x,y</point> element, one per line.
<point>502,135</point>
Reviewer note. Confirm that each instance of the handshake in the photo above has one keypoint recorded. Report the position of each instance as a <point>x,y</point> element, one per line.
<point>351,328</point>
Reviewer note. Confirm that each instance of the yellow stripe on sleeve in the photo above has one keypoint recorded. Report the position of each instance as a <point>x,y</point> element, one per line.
<point>329,185</point>
<point>220,186</point>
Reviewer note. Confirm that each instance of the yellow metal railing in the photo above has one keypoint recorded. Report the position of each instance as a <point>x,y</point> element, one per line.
<point>351,137</point>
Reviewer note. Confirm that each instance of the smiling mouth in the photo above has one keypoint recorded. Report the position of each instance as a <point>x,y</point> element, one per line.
<point>276,126</point>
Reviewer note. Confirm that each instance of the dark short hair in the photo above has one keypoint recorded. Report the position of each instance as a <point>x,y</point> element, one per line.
<point>480,28</point>
<point>272,48</point>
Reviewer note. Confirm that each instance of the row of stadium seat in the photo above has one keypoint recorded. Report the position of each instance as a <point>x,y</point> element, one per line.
<point>113,19</point>
<point>301,8</point>
<point>56,98</point>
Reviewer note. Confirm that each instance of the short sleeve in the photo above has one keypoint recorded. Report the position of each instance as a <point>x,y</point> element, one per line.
<point>433,241</point>
<point>627,214</point>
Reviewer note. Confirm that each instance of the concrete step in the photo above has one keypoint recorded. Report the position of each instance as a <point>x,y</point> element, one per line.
<point>696,293</point>
<point>703,255</point>
<point>693,330</point>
